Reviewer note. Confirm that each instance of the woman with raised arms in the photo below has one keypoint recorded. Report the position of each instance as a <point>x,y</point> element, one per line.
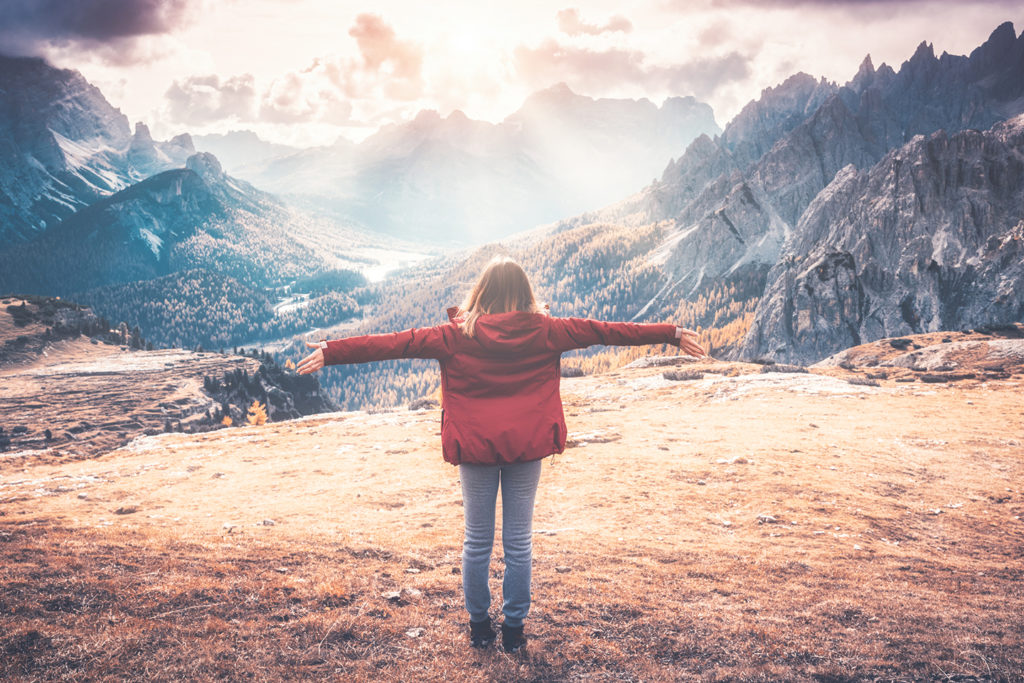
<point>501,413</point>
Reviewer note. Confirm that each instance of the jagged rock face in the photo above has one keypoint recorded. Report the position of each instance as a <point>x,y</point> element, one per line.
<point>58,143</point>
<point>63,146</point>
<point>734,199</point>
<point>930,238</point>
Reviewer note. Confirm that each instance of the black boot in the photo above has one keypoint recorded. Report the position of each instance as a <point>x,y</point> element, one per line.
<point>481,634</point>
<point>512,638</point>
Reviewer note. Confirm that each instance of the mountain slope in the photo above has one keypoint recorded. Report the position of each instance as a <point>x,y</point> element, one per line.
<point>63,146</point>
<point>930,238</point>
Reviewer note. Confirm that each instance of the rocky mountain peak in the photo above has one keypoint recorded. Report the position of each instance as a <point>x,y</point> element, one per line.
<point>142,134</point>
<point>184,141</point>
<point>864,77</point>
<point>924,53</point>
<point>206,166</point>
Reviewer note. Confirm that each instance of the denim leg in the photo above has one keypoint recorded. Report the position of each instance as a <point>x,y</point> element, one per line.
<point>479,492</point>
<point>518,490</point>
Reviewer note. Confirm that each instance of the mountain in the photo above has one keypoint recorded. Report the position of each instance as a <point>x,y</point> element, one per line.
<point>241,151</point>
<point>184,218</point>
<point>63,146</point>
<point>929,238</point>
<point>456,180</point>
<point>730,204</point>
<point>735,199</point>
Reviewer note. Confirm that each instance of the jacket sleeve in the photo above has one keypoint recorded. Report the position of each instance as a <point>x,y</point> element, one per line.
<point>425,342</point>
<point>577,333</point>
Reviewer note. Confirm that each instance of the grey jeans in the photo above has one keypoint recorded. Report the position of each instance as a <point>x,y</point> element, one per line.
<point>480,484</point>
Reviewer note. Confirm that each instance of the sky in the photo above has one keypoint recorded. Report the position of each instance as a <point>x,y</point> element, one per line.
<point>306,72</point>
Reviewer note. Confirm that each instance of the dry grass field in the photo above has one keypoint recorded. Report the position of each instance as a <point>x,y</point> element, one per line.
<point>743,526</point>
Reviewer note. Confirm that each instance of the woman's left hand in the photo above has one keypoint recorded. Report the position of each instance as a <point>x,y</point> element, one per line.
<point>312,362</point>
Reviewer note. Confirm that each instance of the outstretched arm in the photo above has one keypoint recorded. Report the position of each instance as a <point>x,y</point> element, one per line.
<point>427,342</point>
<point>577,333</point>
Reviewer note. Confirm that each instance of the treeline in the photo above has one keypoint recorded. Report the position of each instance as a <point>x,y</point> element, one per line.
<point>197,307</point>
<point>209,309</point>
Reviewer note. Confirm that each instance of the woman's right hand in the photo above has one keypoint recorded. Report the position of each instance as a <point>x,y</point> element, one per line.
<point>688,343</point>
<point>312,362</point>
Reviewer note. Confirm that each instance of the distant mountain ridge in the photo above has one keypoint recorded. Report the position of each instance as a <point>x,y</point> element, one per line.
<point>456,180</point>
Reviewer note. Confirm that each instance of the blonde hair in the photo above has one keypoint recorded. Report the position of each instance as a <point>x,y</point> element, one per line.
<point>503,287</point>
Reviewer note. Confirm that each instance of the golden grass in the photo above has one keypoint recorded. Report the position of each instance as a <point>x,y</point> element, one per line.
<point>889,544</point>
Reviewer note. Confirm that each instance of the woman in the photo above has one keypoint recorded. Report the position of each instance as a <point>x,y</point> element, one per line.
<point>501,413</point>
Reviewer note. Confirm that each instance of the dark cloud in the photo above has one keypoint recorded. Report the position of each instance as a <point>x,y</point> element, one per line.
<point>595,71</point>
<point>32,26</point>
<point>199,100</point>
<point>570,22</point>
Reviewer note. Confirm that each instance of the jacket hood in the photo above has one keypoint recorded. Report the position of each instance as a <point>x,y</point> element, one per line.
<point>516,331</point>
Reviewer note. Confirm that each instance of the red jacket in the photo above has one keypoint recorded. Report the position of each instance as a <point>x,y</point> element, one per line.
<point>500,388</point>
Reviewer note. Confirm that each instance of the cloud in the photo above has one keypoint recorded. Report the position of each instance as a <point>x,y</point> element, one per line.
<point>199,100</point>
<point>570,23</point>
<point>108,27</point>
<point>382,52</point>
<point>386,70</point>
<point>596,71</point>
<point>307,96</point>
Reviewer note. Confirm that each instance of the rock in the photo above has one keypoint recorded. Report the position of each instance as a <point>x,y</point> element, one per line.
<point>228,526</point>
<point>563,569</point>
<point>782,367</point>
<point>424,403</point>
<point>83,495</point>
<point>415,632</point>
<point>766,519</point>
<point>412,592</point>
<point>281,570</point>
<point>393,596</point>
<point>412,570</point>
<point>863,381</point>
<point>660,361</point>
<point>126,510</point>
<point>682,375</point>
<point>268,522</point>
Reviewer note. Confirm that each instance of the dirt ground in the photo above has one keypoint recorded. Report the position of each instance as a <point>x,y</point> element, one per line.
<point>744,526</point>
